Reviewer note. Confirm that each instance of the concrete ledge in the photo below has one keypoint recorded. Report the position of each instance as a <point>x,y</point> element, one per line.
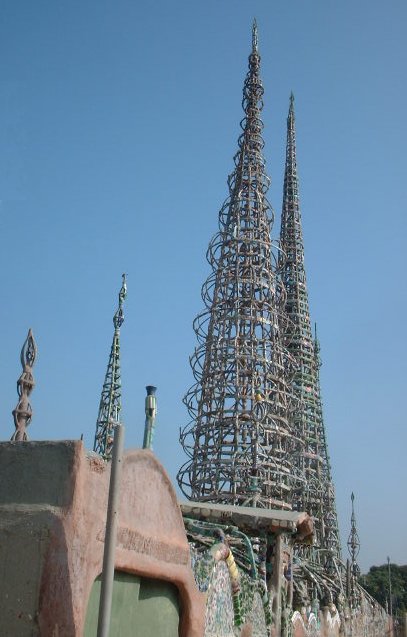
<point>37,472</point>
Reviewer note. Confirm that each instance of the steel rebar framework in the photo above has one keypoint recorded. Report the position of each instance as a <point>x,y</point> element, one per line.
<point>241,445</point>
<point>329,547</point>
<point>316,495</point>
<point>110,400</point>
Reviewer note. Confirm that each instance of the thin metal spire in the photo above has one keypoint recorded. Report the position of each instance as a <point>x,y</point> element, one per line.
<point>239,440</point>
<point>255,37</point>
<point>110,401</point>
<point>354,548</point>
<point>22,413</point>
<point>118,318</point>
<point>353,540</point>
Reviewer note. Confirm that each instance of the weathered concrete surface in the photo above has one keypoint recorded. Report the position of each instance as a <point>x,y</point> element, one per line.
<point>53,502</point>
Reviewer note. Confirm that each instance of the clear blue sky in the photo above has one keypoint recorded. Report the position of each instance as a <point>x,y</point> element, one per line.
<point>118,124</point>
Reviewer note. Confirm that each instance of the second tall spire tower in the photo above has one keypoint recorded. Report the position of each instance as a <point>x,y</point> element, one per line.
<point>316,494</point>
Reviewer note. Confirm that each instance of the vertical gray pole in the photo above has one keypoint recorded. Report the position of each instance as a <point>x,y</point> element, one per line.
<point>390,596</point>
<point>291,584</point>
<point>105,605</point>
<point>278,562</point>
<point>348,579</point>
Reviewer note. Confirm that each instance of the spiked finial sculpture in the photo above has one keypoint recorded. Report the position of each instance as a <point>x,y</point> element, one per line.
<point>239,441</point>
<point>22,414</point>
<point>110,401</point>
<point>353,541</point>
<point>316,494</point>
<point>354,548</point>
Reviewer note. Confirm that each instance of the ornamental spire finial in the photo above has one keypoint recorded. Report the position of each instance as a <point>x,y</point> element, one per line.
<point>22,413</point>
<point>255,37</point>
<point>111,399</point>
<point>291,129</point>
<point>354,548</point>
<point>353,540</point>
<point>118,318</point>
<point>291,114</point>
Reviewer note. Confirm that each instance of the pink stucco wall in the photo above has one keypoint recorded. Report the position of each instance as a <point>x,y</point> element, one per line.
<point>66,525</point>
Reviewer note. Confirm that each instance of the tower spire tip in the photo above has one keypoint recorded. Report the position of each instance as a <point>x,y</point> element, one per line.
<point>291,111</point>
<point>255,37</point>
<point>119,316</point>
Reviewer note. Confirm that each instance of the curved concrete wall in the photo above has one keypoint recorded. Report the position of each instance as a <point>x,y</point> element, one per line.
<point>53,502</point>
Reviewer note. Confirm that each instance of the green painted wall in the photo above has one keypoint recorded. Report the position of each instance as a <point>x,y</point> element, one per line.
<point>141,607</point>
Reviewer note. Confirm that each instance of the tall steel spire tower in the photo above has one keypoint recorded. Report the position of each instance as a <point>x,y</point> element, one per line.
<point>111,398</point>
<point>316,495</point>
<point>240,442</point>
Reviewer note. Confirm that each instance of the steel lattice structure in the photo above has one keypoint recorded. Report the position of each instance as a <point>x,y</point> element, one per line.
<point>110,400</point>
<point>316,495</point>
<point>241,445</point>
<point>329,547</point>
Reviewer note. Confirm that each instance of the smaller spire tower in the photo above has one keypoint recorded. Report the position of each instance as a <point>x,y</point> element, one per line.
<point>354,548</point>
<point>110,400</point>
<point>353,541</point>
<point>22,413</point>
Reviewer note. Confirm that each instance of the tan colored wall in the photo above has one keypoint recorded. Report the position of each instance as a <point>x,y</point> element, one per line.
<point>53,501</point>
